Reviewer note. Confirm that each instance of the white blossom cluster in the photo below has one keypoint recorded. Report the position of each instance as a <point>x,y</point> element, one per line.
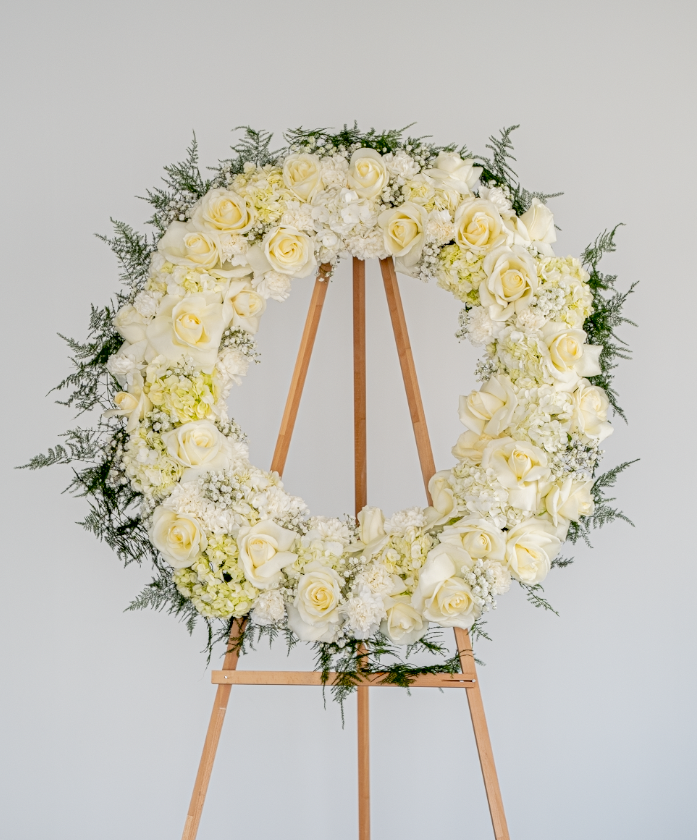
<point>238,543</point>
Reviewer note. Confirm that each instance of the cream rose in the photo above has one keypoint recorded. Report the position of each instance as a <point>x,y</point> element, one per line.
<point>569,502</point>
<point>314,615</point>
<point>133,404</point>
<point>178,537</point>
<point>521,468</point>
<point>367,173</point>
<point>404,233</point>
<point>130,324</point>
<point>246,305</point>
<point>403,625</point>
<point>590,411</point>
<point>570,358</point>
<point>302,174</point>
<point>539,223</point>
<point>225,211</point>
<point>264,549</point>
<point>371,524</point>
<point>480,538</point>
<point>194,328</point>
<point>182,244</point>
<point>450,171</point>
<point>442,596</point>
<point>198,445</point>
<point>510,284</point>
<point>479,226</point>
<point>288,251</point>
<point>442,494</point>
<point>530,549</point>
<point>490,410</point>
<point>470,445</point>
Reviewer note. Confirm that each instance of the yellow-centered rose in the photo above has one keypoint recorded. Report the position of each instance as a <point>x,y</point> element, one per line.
<point>264,550</point>
<point>479,226</point>
<point>510,284</point>
<point>225,211</point>
<point>404,231</point>
<point>302,175</point>
<point>367,173</point>
<point>182,244</point>
<point>290,252</point>
<point>178,537</point>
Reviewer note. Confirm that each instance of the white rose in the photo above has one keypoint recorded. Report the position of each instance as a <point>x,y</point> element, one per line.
<point>264,549</point>
<point>510,284</point>
<point>521,468</point>
<point>442,596</point>
<point>245,305</point>
<point>314,615</point>
<point>442,494</point>
<point>530,549</point>
<point>403,625</point>
<point>450,171</point>
<point>539,223</point>
<point>470,445</point>
<point>178,537</point>
<point>367,173</point>
<point>198,445</point>
<point>224,210</point>
<point>302,174</point>
<point>490,410</point>
<point>479,226</point>
<point>194,328</point>
<point>570,358</point>
<point>182,244</point>
<point>130,324</point>
<point>289,251</point>
<point>569,502</point>
<point>480,538</point>
<point>133,404</point>
<point>590,411</point>
<point>371,524</point>
<point>404,229</point>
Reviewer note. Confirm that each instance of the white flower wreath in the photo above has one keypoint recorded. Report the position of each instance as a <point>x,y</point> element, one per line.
<point>172,478</point>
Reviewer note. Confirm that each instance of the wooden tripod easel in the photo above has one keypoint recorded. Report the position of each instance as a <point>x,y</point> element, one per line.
<point>230,676</point>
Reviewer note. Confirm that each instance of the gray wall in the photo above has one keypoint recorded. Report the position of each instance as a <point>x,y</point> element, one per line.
<point>591,714</point>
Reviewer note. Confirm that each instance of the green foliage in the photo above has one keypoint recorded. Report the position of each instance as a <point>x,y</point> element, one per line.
<point>498,171</point>
<point>607,315</point>
<point>604,513</point>
<point>534,596</point>
<point>184,185</point>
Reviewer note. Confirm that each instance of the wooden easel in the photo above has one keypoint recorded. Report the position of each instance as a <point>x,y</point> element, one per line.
<point>230,676</point>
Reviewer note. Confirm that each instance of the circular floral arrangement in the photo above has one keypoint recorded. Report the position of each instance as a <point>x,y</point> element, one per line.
<point>167,471</point>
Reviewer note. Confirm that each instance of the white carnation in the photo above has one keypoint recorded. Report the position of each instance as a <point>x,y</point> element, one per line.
<point>403,519</point>
<point>400,165</point>
<point>232,364</point>
<point>122,366</point>
<point>273,285</point>
<point>480,328</point>
<point>269,608</point>
<point>439,228</point>
<point>333,530</point>
<point>499,198</point>
<point>501,582</point>
<point>147,303</point>
<point>531,319</point>
<point>298,215</point>
<point>364,612</point>
<point>377,578</point>
<point>334,170</point>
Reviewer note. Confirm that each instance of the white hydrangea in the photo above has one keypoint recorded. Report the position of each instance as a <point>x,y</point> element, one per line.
<point>298,215</point>
<point>334,170</point>
<point>366,244</point>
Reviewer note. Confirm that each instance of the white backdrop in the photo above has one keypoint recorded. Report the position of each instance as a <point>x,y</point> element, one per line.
<point>592,713</point>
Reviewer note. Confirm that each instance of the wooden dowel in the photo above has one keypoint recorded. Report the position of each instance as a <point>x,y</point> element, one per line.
<point>481,735</point>
<point>314,678</point>
<point>297,382</point>
<point>411,383</point>
<point>361,500</point>
<point>359,387</point>
<point>210,746</point>
<point>363,761</point>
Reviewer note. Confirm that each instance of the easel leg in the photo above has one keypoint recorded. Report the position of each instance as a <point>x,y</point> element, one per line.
<point>481,736</point>
<point>210,747</point>
<point>428,468</point>
<point>361,489</point>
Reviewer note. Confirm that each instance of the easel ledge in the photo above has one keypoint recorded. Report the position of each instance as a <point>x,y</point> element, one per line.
<point>373,680</point>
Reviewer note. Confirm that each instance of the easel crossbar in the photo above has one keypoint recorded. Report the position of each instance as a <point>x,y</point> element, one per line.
<point>314,678</point>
